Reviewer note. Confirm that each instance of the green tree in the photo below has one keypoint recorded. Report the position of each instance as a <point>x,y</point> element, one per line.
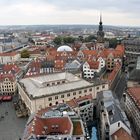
<point>90,38</point>
<point>113,42</point>
<point>68,39</point>
<point>58,40</point>
<point>25,54</point>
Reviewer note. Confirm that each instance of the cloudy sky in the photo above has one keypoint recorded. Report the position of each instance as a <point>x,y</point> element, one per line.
<point>24,12</point>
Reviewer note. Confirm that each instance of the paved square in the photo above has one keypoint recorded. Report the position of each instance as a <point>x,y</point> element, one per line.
<point>11,127</point>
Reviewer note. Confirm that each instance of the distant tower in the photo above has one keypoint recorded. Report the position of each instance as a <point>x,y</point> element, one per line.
<point>100,33</point>
<point>100,36</point>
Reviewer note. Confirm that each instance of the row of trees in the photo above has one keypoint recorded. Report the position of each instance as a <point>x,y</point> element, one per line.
<point>91,38</point>
<point>68,39</point>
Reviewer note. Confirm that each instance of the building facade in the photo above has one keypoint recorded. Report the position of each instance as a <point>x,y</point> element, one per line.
<point>132,50</point>
<point>9,57</point>
<point>112,117</point>
<point>8,84</point>
<point>83,106</point>
<point>132,106</point>
<point>47,90</point>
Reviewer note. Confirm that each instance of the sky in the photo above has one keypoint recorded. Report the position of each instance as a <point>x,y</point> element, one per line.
<point>34,12</point>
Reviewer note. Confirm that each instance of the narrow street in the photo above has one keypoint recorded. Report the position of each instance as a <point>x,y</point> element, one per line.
<point>120,86</point>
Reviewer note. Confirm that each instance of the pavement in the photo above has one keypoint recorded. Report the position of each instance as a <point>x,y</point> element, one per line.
<point>11,127</point>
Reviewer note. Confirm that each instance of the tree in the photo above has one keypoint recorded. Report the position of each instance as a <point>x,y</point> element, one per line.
<point>113,43</point>
<point>90,38</point>
<point>25,54</point>
<point>57,40</point>
<point>68,39</point>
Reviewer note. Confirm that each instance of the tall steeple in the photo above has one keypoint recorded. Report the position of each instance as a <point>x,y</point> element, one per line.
<point>100,33</point>
<point>100,23</point>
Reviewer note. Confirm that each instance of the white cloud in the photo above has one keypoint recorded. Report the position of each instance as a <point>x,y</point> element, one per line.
<point>69,12</point>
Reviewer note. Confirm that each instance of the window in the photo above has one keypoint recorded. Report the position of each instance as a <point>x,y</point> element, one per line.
<point>97,88</point>
<point>50,99</point>
<point>80,92</point>
<point>56,97</point>
<point>58,83</point>
<point>74,93</point>
<point>62,96</point>
<point>53,84</point>
<point>68,94</point>
<point>63,81</point>
<point>85,90</point>
<point>90,89</point>
<point>103,86</point>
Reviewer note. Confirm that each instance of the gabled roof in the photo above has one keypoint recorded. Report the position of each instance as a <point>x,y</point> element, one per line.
<point>93,64</point>
<point>11,77</point>
<point>90,52</point>
<point>121,134</point>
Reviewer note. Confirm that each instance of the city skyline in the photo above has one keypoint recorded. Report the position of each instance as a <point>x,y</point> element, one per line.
<point>36,12</point>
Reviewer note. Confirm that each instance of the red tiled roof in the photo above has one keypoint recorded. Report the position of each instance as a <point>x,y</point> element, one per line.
<point>87,97</point>
<point>90,52</point>
<point>77,128</point>
<point>58,125</point>
<point>120,48</point>
<point>9,67</point>
<point>74,102</point>
<point>59,64</point>
<point>115,71</point>
<point>8,54</point>
<point>93,64</point>
<point>11,77</point>
<point>121,134</point>
<point>134,92</point>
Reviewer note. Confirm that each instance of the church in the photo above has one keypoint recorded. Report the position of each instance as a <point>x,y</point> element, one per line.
<point>100,36</point>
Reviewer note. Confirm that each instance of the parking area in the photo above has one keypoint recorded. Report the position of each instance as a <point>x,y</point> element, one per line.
<point>11,127</point>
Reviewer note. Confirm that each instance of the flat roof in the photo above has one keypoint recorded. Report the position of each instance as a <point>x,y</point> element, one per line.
<point>37,87</point>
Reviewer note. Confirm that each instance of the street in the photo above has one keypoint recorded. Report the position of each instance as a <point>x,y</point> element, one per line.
<point>120,86</point>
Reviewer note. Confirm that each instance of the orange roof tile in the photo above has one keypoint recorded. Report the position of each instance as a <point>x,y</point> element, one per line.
<point>8,54</point>
<point>77,128</point>
<point>90,52</point>
<point>121,134</point>
<point>115,71</point>
<point>11,77</point>
<point>87,97</point>
<point>72,103</point>
<point>93,64</point>
<point>54,125</point>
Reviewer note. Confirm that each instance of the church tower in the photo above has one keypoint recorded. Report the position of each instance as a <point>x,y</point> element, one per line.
<point>100,35</point>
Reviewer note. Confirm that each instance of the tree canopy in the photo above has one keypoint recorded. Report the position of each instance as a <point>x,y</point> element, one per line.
<point>25,54</point>
<point>90,38</point>
<point>58,40</point>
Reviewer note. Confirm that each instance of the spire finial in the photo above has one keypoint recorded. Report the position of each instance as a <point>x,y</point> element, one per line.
<point>100,17</point>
